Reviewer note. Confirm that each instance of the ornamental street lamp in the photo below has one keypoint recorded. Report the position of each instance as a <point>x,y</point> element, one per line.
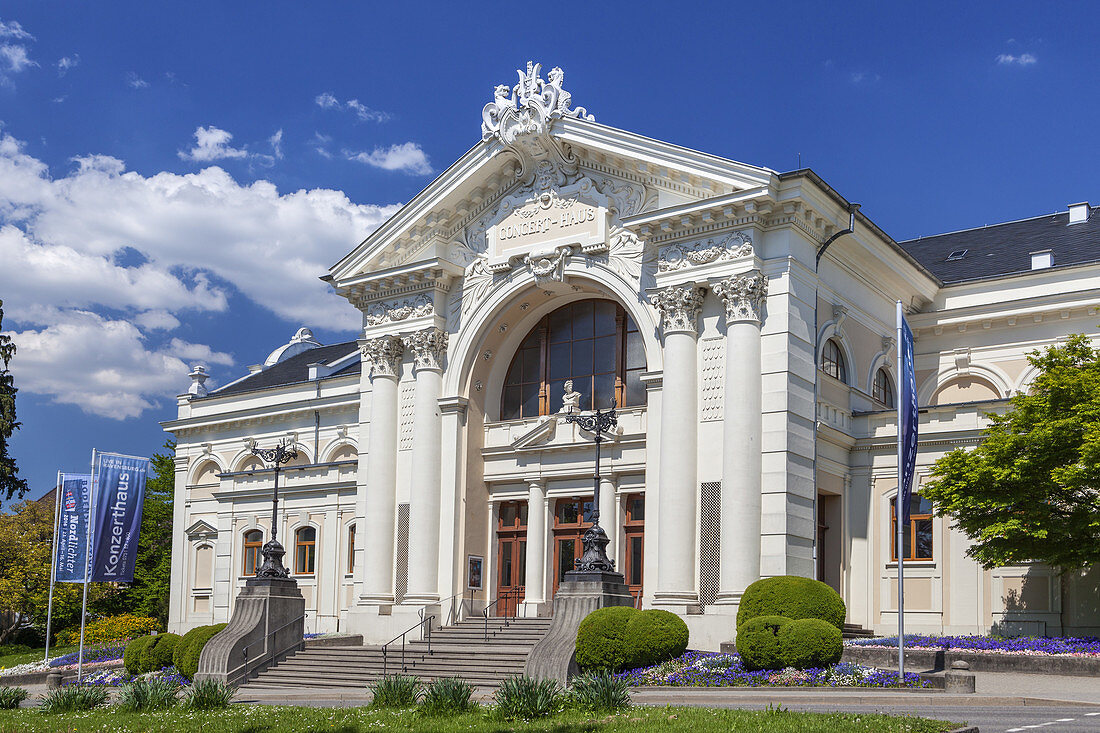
<point>595,539</point>
<point>272,551</point>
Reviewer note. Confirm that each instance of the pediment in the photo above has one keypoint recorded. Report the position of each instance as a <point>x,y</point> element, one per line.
<point>541,432</point>
<point>201,530</point>
<point>537,153</point>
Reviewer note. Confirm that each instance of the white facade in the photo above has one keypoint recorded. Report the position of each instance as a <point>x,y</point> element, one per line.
<point>408,435</point>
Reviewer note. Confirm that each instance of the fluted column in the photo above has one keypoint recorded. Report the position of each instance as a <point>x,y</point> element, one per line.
<point>427,348</point>
<point>679,306</point>
<point>384,356</point>
<point>739,553</point>
<point>535,591</point>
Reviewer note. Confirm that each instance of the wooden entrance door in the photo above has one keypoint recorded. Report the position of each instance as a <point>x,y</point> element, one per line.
<point>511,557</point>
<point>571,518</point>
<point>634,541</point>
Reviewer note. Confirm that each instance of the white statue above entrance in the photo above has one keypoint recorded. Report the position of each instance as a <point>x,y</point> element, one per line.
<point>571,400</point>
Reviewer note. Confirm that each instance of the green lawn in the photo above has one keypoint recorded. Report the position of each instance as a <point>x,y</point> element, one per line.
<point>36,655</point>
<point>267,719</point>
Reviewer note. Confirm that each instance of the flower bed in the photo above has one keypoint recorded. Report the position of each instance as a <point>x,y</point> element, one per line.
<point>1066,646</point>
<point>709,669</point>
<point>96,656</point>
<point>118,676</point>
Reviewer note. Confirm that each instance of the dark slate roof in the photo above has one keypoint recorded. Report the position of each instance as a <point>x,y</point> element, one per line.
<point>294,369</point>
<point>1005,249</point>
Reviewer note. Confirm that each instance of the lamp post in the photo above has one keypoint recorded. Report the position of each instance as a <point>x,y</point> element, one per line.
<point>273,551</point>
<point>595,539</point>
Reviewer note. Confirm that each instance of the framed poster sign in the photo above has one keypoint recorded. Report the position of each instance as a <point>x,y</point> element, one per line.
<point>475,567</point>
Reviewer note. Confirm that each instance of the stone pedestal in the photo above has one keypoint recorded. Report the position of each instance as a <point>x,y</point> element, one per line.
<point>578,595</point>
<point>268,623</point>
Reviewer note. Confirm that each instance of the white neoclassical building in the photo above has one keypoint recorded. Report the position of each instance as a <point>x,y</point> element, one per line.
<point>434,462</point>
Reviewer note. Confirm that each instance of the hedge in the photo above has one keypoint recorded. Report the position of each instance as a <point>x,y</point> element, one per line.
<point>810,642</point>
<point>652,637</point>
<point>111,628</point>
<point>133,657</point>
<point>600,638</point>
<point>758,642</point>
<point>793,597</point>
<point>187,651</point>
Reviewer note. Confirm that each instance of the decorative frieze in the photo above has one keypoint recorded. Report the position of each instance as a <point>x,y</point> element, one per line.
<point>679,306</point>
<point>392,311</point>
<point>744,296</point>
<point>427,347</point>
<point>384,354</point>
<point>678,256</point>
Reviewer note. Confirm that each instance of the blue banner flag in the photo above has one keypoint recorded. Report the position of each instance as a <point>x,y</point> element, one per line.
<point>119,492</point>
<point>72,527</point>
<point>908,417</point>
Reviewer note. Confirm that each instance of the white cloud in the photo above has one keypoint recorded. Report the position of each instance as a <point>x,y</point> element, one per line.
<point>320,143</point>
<point>1024,59</point>
<point>136,81</point>
<point>212,143</point>
<point>15,58</point>
<point>407,157</point>
<point>189,240</point>
<point>276,141</point>
<point>67,62</point>
<point>14,30</point>
<point>863,77</point>
<point>327,100</point>
<point>104,366</point>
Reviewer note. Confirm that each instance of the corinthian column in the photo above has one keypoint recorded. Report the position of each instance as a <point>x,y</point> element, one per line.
<point>677,477</point>
<point>739,552</point>
<point>427,347</point>
<point>384,356</point>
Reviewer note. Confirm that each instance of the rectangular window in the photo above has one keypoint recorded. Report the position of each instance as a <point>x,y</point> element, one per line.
<point>917,535</point>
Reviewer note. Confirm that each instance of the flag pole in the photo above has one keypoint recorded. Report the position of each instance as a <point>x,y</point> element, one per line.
<point>53,560</point>
<point>87,568</point>
<point>899,511</point>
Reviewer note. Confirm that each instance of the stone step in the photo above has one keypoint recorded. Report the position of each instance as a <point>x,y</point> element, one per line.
<point>433,661</point>
<point>314,679</point>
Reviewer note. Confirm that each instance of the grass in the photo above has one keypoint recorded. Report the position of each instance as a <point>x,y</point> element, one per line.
<point>35,655</point>
<point>269,719</point>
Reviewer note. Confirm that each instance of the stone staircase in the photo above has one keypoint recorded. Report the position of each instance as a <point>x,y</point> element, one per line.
<point>456,651</point>
<point>855,631</point>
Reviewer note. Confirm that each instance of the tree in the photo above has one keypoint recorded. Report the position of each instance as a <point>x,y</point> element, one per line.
<point>1031,490</point>
<point>10,483</point>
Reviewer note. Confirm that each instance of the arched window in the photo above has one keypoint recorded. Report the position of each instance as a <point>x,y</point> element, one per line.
<point>253,541</point>
<point>832,361</point>
<point>883,389</point>
<point>351,549</point>
<point>592,342</point>
<point>305,545</point>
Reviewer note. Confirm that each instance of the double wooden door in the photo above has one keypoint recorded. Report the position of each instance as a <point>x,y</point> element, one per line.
<point>511,557</point>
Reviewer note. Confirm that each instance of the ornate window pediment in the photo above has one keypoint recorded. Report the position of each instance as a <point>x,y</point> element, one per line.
<point>201,530</point>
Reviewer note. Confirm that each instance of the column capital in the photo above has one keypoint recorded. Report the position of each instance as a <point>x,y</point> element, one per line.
<point>679,306</point>
<point>427,347</point>
<point>384,355</point>
<point>744,296</point>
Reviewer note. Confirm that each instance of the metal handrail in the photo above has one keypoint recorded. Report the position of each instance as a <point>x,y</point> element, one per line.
<point>270,635</point>
<point>418,625</point>
<point>637,599</point>
<point>508,594</point>
<point>452,617</point>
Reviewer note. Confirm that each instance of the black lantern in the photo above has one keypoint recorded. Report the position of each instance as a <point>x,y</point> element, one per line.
<point>273,551</point>
<point>595,539</point>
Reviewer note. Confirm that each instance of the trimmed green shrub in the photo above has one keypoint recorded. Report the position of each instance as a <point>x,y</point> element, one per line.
<point>10,697</point>
<point>600,692</point>
<point>793,597</point>
<point>522,698</point>
<point>7,650</point>
<point>758,642</point>
<point>158,653</point>
<point>396,691</point>
<point>601,638</point>
<point>133,658</point>
<point>209,695</point>
<point>810,642</point>
<point>652,637</point>
<point>186,653</point>
<point>447,696</point>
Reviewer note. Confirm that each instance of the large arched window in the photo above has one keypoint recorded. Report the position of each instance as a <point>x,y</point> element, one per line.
<point>883,388</point>
<point>592,342</point>
<point>832,361</point>
<point>253,542</point>
<point>305,545</point>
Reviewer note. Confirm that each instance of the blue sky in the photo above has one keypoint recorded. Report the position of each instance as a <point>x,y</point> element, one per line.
<point>173,178</point>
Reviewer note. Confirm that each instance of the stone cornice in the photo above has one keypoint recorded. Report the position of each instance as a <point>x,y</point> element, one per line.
<point>247,418</point>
